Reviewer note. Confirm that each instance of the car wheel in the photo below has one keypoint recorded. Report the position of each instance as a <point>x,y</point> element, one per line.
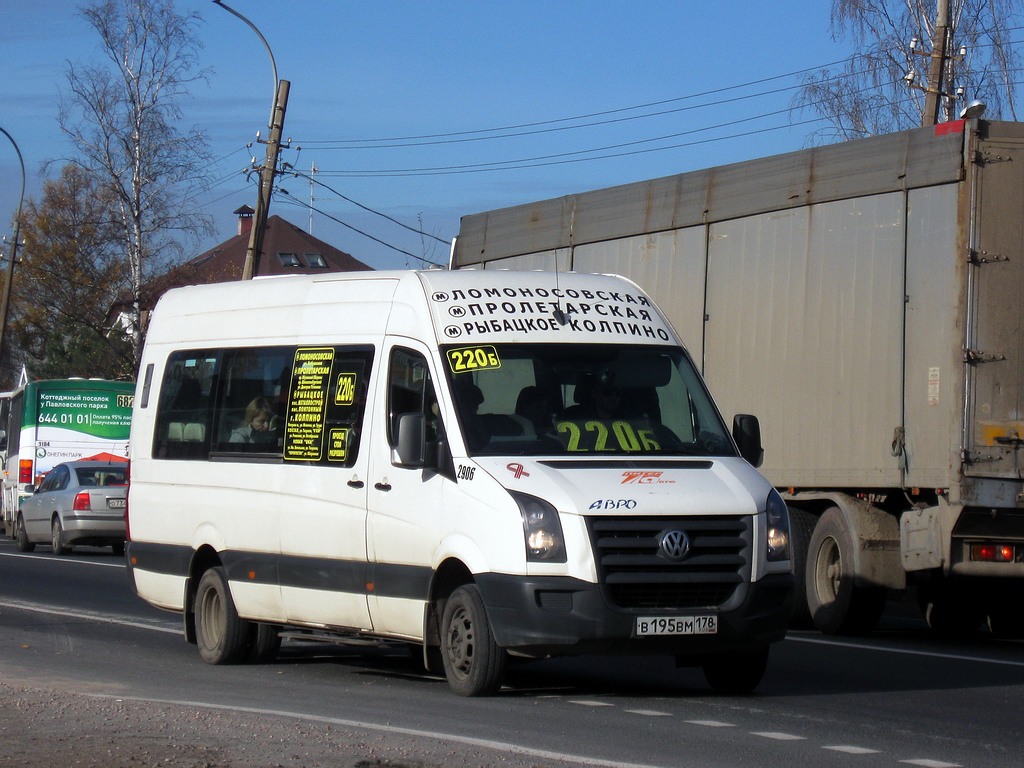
<point>736,673</point>
<point>473,661</point>
<point>60,547</point>
<point>221,635</point>
<point>24,545</point>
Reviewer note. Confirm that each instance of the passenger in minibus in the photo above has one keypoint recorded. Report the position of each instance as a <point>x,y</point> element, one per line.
<point>255,427</point>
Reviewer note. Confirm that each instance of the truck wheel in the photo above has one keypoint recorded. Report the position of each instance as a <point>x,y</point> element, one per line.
<point>264,643</point>
<point>801,526</point>
<point>24,545</point>
<point>221,635</point>
<point>60,547</point>
<point>736,673</point>
<point>473,662</point>
<point>836,604</point>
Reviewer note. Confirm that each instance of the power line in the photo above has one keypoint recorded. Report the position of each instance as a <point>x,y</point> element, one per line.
<point>303,204</point>
<point>365,207</point>
<point>449,135</point>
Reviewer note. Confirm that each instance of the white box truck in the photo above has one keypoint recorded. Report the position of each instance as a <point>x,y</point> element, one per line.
<point>866,300</point>
<point>461,460</point>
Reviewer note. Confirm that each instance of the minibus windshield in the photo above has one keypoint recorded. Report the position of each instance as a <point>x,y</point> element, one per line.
<point>597,399</point>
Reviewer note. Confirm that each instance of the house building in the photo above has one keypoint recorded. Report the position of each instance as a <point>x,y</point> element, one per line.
<point>287,250</point>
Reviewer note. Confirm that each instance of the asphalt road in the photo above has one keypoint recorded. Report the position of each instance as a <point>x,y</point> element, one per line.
<point>899,697</point>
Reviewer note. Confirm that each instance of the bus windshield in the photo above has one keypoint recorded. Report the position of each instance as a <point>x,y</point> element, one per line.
<point>598,399</point>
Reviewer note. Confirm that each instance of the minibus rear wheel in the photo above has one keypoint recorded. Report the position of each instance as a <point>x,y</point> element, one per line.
<point>473,661</point>
<point>221,635</point>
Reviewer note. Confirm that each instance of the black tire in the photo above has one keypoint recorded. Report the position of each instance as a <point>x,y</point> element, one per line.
<point>264,643</point>
<point>736,674</point>
<point>836,603</point>
<point>24,545</point>
<point>801,526</point>
<point>60,546</point>
<point>221,635</point>
<point>473,662</point>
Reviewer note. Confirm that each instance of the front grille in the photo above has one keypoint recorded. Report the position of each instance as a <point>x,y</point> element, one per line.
<point>634,575</point>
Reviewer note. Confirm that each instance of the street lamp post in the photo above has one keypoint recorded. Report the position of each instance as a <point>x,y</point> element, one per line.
<point>5,303</point>
<point>276,126</point>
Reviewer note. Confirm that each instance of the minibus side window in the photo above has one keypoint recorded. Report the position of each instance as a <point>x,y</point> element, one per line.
<point>325,399</point>
<point>184,410</point>
<point>252,400</point>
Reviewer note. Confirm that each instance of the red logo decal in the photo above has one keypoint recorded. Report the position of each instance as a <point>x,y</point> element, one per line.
<point>517,470</point>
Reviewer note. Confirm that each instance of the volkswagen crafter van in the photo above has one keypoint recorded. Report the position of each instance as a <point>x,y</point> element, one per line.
<point>486,464</point>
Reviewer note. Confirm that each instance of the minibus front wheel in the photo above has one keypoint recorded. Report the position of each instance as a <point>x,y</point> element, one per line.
<point>473,661</point>
<point>221,635</point>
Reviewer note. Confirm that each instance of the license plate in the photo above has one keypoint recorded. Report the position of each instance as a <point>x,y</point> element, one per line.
<point>116,503</point>
<point>647,626</point>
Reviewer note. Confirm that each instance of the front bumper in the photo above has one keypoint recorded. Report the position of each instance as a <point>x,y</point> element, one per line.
<point>557,615</point>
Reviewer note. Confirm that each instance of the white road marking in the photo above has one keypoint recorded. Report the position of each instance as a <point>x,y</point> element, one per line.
<point>63,560</point>
<point>591,703</point>
<point>648,712</point>
<point>778,736</point>
<point>711,723</point>
<point>88,616</point>
<point>850,750</point>
<point>390,728</point>
<point>931,763</point>
<point>905,651</point>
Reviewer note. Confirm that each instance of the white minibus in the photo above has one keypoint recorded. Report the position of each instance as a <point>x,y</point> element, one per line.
<point>485,464</point>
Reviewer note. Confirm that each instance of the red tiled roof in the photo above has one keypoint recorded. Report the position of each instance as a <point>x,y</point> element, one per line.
<point>224,262</point>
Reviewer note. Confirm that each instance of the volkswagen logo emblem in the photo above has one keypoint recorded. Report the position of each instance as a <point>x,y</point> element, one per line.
<point>674,546</point>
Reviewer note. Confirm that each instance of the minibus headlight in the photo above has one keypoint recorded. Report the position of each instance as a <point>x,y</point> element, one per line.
<point>777,515</point>
<point>542,529</point>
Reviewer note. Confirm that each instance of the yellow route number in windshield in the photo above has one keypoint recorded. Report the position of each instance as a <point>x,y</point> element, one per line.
<point>595,435</point>
<point>466,359</point>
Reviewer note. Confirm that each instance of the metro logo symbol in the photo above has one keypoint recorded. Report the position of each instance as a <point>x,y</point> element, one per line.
<point>643,478</point>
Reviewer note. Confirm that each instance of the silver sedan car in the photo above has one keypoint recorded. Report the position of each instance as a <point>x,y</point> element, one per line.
<point>78,502</point>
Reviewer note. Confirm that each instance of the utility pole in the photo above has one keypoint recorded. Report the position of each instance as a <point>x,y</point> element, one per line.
<point>267,173</point>
<point>313,170</point>
<point>937,66</point>
<point>5,306</point>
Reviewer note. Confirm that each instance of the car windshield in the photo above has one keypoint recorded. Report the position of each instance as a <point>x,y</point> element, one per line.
<point>607,400</point>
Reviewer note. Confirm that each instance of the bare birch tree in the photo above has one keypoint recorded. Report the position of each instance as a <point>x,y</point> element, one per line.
<point>123,116</point>
<point>871,94</point>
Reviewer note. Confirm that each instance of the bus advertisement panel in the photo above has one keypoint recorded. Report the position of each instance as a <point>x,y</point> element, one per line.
<point>51,422</point>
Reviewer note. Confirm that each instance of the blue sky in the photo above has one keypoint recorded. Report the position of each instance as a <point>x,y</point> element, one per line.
<point>456,71</point>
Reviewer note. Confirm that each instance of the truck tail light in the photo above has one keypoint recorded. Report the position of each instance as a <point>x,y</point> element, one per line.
<point>25,471</point>
<point>994,553</point>
<point>81,502</point>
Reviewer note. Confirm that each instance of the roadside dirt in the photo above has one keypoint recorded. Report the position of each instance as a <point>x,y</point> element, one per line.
<point>49,728</point>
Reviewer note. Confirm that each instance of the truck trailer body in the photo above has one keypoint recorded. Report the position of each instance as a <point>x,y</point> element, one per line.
<point>865,300</point>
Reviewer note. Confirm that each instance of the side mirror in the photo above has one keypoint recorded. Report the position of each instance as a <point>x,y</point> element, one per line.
<point>412,443</point>
<point>746,431</point>
<point>30,488</point>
